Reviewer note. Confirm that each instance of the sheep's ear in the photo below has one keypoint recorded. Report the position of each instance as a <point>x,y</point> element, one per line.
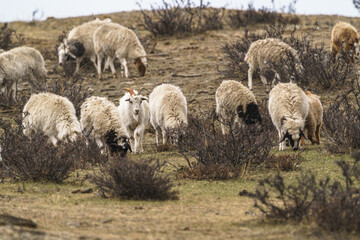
<point>144,98</point>
<point>240,111</point>
<point>128,100</point>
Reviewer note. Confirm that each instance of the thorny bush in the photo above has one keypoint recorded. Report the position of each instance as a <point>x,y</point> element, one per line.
<point>9,38</point>
<point>221,156</point>
<point>126,179</point>
<point>36,159</point>
<point>333,205</point>
<point>342,121</point>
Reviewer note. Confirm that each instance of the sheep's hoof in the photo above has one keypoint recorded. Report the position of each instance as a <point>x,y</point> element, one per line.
<point>100,77</point>
<point>115,75</point>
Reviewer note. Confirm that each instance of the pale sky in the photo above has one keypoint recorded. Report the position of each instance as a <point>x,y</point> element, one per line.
<point>13,10</point>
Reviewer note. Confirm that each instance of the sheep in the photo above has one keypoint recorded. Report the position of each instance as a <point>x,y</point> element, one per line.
<point>344,36</point>
<point>288,108</point>
<point>235,103</point>
<point>168,111</point>
<point>314,119</point>
<point>79,43</point>
<point>52,115</point>
<point>100,119</point>
<point>21,64</point>
<point>113,40</point>
<point>262,54</point>
<point>134,115</point>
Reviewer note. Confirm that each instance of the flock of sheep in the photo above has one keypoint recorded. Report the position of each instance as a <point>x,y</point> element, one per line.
<point>293,112</point>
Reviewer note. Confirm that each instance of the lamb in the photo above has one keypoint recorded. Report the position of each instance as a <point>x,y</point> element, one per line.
<point>264,53</point>
<point>79,43</point>
<point>168,111</point>
<point>100,119</point>
<point>288,108</point>
<point>344,36</point>
<point>21,64</point>
<point>314,119</point>
<point>113,40</point>
<point>52,115</point>
<point>236,104</point>
<point>134,115</point>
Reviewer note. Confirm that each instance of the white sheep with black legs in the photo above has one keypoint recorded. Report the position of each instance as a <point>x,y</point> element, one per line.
<point>112,41</point>
<point>264,53</point>
<point>288,108</point>
<point>52,115</point>
<point>21,64</point>
<point>236,104</point>
<point>168,111</point>
<point>100,120</point>
<point>79,43</point>
<point>134,115</point>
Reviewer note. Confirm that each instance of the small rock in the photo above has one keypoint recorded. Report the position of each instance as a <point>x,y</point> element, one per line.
<point>186,228</point>
<point>250,213</point>
<point>87,190</point>
<point>138,208</point>
<point>243,193</point>
<point>108,220</point>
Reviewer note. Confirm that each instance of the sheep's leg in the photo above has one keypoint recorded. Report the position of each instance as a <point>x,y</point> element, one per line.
<point>112,67</point>
<point>54,140</point>
<point>124,63</point>
<point>164,135</point>
<point>99,66</point>
<point>77,66</point>
<point>317,133</point>
<point>139,132</point>
<point>100,145</point>
<point>250,77</point>
<point>281,145</point>
<point>132,140</point>
<point>93,59</point>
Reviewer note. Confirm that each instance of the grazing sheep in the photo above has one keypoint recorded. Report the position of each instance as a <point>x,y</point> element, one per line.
<point>314,119</point>
<point>112,40</point>
<point>21,64</point>
<point>344,36</point>
<point>262,54</point>
<point>52,115</point>
<point>288,108</point>
<point>79,43</point>
<point>235,103</point>
<point>168,110</point>
<point>134,115</point>
<point>100,119</point>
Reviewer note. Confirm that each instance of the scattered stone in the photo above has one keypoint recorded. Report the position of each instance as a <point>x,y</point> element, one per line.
<point>250,213</point>
<point>6,219</point>
<point>186,228</point>
<point>244,193</point>
<point>138,208</point>
<point>108,220</point>
<point>87,190</point>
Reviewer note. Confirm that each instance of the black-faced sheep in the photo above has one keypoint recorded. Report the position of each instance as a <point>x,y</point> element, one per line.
<point>52,115</point>
<point>168,111</point>
<point>235,103</point>
<point>264,53</point>
<point>100,119</point>
<point>288,108</point>
<point>21,64</point>
<point>344,36</point>
<point>112,40</point>
<point>134,115</point>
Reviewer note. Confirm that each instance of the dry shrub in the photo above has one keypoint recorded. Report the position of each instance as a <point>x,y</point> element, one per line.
<point>250,16</point>
<point>9,38</point>
<point>288,162</point>
<point>333,205</point>
<point>223,156</point>
<point>342,121</point>
<point>212,19</point>
<point>126,179</point>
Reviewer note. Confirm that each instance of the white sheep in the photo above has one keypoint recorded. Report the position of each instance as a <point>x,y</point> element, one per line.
<point>100,119</point>
<point>52,115</point>
<point>134,115</point>
<point>112,40</point>
<point>168,111</point>
<point>79,43</point>
<point>264,53</point>
<point>344,36</point>
<point>236,104</point>
<point>18,65</point>
<point>288,108</point>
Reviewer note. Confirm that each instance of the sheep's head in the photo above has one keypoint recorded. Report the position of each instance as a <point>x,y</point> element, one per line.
<point>117,145</point>
<point>251,115</point>
<point>176,131</point>
<point>70,50</point>
<point>354,51</point>
<point>134,101</point>
<point>141,65</point>
<point>292,130</point>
